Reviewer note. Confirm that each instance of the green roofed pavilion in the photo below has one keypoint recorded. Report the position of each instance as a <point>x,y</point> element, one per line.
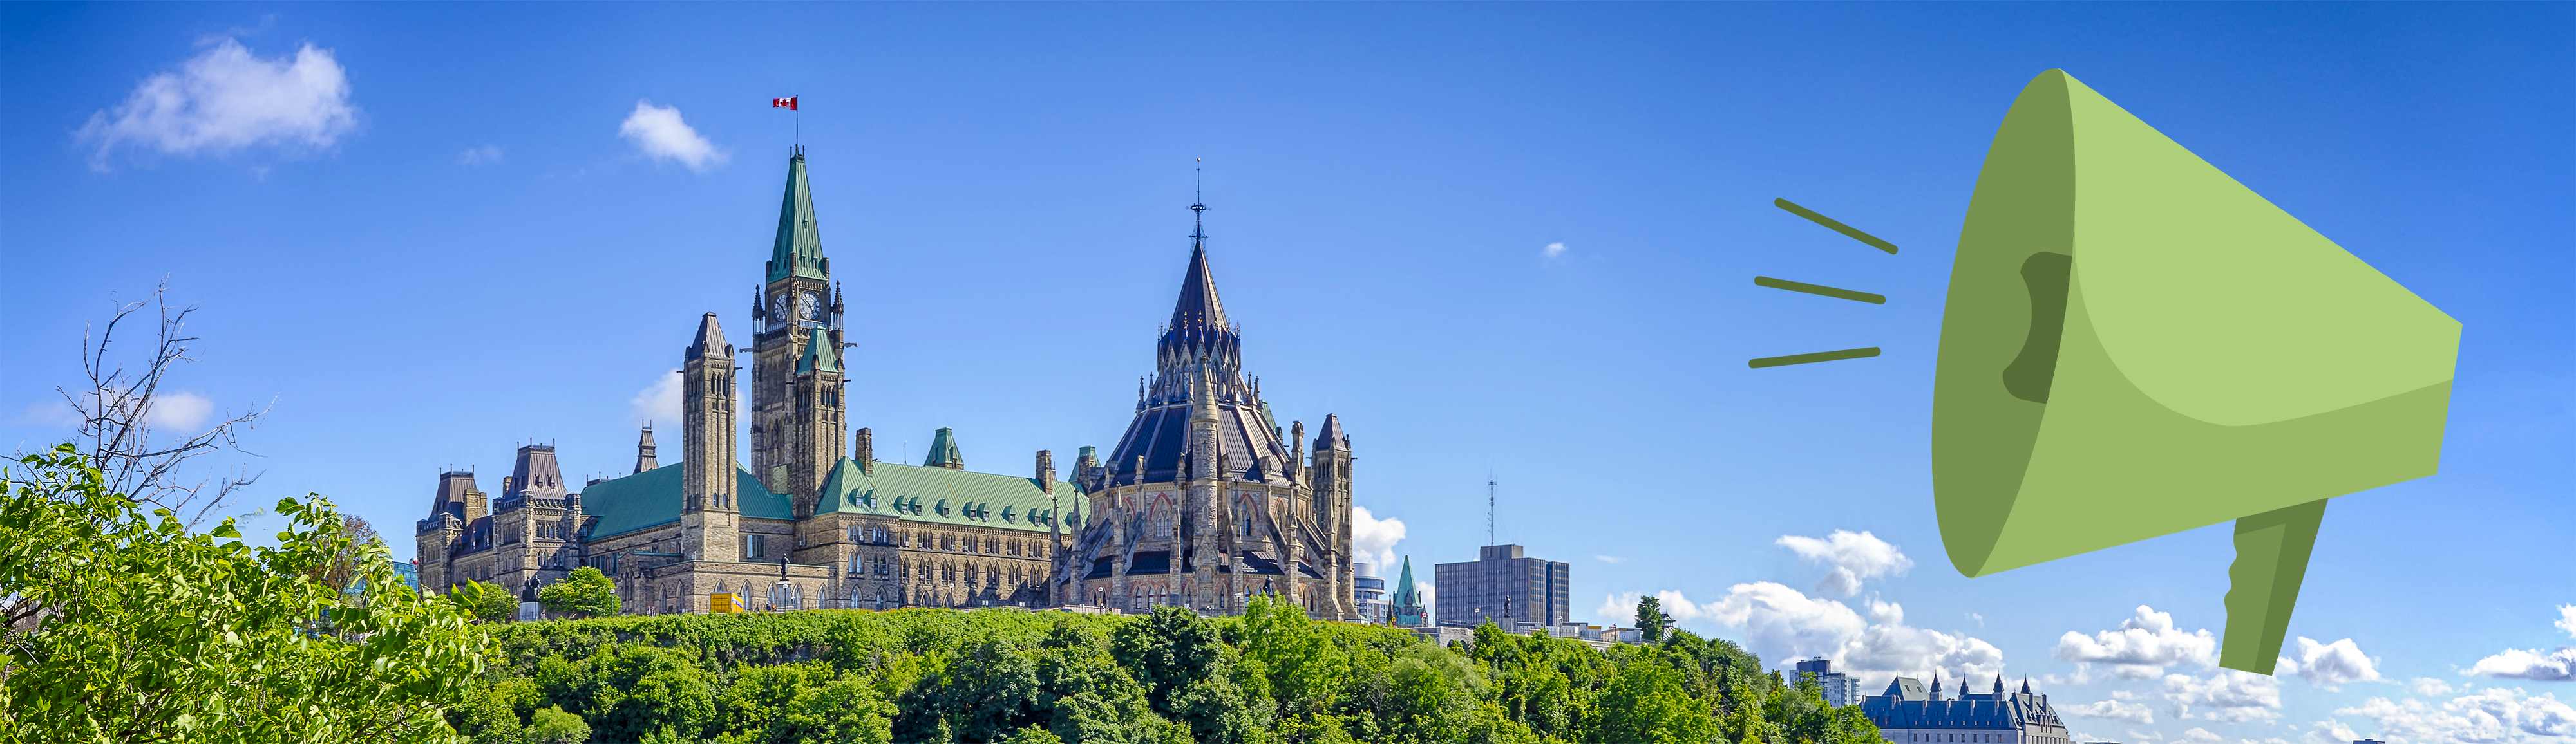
<point>943,451</point>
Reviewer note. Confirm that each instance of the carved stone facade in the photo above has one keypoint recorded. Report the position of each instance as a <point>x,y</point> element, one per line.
<point>808,522</point>
<point>1203,504</point>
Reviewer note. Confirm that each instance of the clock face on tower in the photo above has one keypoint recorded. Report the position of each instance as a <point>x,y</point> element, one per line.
<point>807,306</point>
<point>778,309</point>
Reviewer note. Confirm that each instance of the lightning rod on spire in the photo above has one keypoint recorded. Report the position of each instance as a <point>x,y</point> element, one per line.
<point>1198,205</point>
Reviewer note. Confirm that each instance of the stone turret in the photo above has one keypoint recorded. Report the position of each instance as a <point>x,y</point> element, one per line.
<point>1330,476</point>
<point>708,512</point>
<point>644,458</point>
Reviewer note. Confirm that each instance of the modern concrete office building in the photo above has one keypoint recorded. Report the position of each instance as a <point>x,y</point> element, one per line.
<point>1503,586</point>
<point>1840,689</point>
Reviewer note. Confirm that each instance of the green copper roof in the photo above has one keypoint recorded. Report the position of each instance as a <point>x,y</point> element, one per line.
<point>943,450</point>
<point>820,353</point>
<point>652,499</point>
<point>1405,595</point>
<point>916,493</point>
<point>798,250</point>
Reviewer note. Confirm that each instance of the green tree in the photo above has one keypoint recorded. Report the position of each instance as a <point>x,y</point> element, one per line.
<point>1646,704</point>
<point>587,593</point>
<point>484,602</point>
<point>149,631</point>
<point>1651,620</point>
<point>1302,667</point>
<point>1185,668</point>
<point>551,725</point>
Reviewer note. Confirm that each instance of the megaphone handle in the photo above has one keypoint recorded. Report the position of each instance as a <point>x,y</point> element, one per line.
<point>2271,558</point>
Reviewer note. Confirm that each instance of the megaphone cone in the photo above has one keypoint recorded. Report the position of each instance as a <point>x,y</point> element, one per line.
<point>2135,344</point>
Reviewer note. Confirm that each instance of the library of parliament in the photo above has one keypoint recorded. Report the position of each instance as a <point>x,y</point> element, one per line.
<point>1204,502</point>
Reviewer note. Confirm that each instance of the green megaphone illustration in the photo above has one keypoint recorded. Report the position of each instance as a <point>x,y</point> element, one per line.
<point>2135,344</point>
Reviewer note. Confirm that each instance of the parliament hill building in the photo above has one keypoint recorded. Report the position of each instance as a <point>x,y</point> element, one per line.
<point>1204,503</point>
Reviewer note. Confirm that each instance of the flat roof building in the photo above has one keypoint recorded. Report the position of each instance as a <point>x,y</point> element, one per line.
<point>1839,689</point>
<point>1503,586</point>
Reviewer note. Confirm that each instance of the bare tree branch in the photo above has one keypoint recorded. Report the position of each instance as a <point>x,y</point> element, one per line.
<point>115,409</point>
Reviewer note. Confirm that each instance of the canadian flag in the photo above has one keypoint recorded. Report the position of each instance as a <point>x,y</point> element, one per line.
<point>786,103</point>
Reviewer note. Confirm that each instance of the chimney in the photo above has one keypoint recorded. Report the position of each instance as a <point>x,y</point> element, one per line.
<point>1046,471</point>
<point>863,449</point>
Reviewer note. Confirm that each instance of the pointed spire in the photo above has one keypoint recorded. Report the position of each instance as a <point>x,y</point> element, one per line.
<point>710,339</point>
<point>1405,594</point>
<point>644,457</point>
<point>1198,305</point>
<point>2025,685</point>
<point>798,249</point>
<point>1198,308</point>
<point>1999,684</point>
<point>1330,437</point>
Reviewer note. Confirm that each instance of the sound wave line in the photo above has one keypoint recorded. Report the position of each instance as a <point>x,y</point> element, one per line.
<point>1821,356</point>
<point>1829,222</point>
<point>1819,289</point>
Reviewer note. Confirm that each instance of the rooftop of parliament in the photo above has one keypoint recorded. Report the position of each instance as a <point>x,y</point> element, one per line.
<point>1204,502</point>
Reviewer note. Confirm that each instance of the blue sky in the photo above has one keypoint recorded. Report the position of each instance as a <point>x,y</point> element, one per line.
<point>1512,240</point>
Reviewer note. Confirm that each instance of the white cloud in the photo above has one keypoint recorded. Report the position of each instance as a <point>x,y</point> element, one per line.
<point>2329,664</point>
<point>483,155</point>
<point>1552,250</point>
<point>2331,731</point>
<point>1778,622</point>
<point>2142,646</point>
<point>50,413</point>
<point>2428,687</point>
<point>2516,663</point>
<point>1853,556</point>
<point>1781,623</point>
<point>660,401</point>
<point>2198,735</point>
<point>226,99</point>
<point>1609,559</point>
<point>2113,710</point>
<point>1892,647</point>
<point>659,131</point>
<point>179,409</point>
<point>1374,539</point>
<point>176,409</point>
<point>2225,695</point>
<point>1618,609</point>
<point>2494,716</point>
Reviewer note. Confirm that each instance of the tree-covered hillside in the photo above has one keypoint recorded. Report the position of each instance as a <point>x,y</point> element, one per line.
<point>930,675</point>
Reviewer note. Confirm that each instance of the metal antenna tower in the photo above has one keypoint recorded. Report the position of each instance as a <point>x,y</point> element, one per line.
<point>1489,510</point>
